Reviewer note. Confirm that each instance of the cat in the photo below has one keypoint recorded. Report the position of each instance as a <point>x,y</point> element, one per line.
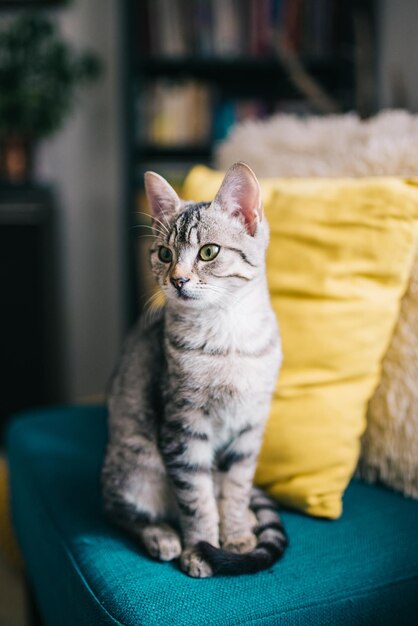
<point>190,397</point>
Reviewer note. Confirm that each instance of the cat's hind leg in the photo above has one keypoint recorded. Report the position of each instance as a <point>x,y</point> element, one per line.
<point>138,497</point>
<point>161,541</point>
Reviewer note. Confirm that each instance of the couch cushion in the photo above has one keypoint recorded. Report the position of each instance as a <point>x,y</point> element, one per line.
<point>361,569</point>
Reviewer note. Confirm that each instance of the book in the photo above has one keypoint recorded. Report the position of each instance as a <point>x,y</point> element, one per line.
<point>236,28</point>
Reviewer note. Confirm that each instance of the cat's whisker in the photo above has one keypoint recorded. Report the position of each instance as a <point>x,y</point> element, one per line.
<point>150,308</point>
<point>163,226</point>
<point>145,235</point>
<point>162,213</point>
<point>144,226</point>
<point>166,220</point>
<point>150,300</point>
<point>153,218</point>
<point>144,213</point>
<point>153,228</point>
<point>219,289</point>
<point>151,314</point>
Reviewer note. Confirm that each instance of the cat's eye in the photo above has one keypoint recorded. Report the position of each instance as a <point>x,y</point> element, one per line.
<point>165,255</point>
<point>209,252</point>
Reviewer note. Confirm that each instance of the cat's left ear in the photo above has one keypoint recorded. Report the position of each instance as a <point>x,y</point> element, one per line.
<point>240,194</point>
<point>161,196</point>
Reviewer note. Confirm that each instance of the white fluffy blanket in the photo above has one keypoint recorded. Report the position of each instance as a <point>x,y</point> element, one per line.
<point>336,145</point>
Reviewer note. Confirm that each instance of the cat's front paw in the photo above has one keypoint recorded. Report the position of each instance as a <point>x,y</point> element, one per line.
<point>193,564</point>
<point>241,544</point>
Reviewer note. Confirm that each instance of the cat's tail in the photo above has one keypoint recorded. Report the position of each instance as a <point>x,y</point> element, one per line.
<point>271,542</point>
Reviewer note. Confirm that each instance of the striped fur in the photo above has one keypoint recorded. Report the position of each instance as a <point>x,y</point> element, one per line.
<point>191,394</point>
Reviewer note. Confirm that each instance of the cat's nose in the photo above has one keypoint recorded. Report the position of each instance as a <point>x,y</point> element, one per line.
<point>179,282</point>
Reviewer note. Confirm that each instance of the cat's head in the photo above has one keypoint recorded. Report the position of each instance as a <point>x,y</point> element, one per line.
<point>206,252</point>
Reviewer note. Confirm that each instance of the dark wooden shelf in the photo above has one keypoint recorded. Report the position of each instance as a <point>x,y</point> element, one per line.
<point>31,4</point>
<point>179,62</point>
<point>263,78</point>
<point>186,152</point>
<point>209,67</point>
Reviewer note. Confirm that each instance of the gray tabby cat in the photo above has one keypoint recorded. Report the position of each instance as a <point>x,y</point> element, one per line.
<point>192,392</point>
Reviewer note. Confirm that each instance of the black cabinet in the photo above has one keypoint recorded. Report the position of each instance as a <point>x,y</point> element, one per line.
<point>30,352</point>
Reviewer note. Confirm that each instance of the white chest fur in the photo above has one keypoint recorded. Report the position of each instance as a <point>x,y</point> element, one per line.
<point>229,357</point>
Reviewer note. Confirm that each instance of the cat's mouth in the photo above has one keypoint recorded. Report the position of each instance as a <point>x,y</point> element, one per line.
<point>185,296</point>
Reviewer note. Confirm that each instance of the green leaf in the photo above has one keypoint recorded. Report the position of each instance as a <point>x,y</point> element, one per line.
<point>40,76</point>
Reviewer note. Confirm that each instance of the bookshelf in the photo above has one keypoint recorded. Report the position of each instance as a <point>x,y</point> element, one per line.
<point>193,68</point>
<point>31,4</point>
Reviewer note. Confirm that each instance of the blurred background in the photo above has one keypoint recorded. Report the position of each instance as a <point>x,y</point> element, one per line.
<point>95,92</point>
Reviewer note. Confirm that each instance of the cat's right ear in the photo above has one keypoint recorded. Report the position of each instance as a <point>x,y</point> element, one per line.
<point>240,195</point>
<point>161,196</point>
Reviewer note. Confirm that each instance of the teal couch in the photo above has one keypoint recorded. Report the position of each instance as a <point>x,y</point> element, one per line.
<point>361,569</point>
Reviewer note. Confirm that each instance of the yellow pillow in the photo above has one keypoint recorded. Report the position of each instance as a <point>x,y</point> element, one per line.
<point>339,259</point>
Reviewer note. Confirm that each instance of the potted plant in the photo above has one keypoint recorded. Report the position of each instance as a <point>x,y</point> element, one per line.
<point>40,75</point>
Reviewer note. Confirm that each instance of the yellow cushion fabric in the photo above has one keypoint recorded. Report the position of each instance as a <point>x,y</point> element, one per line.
<point>338,263</point>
